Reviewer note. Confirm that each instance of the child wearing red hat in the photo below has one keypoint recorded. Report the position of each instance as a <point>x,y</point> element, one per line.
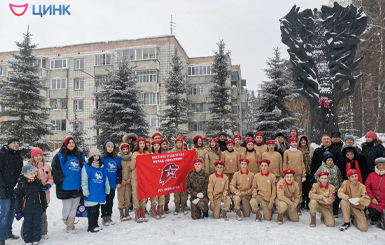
<point>213,154</point>
<point>237,144</point>
<point>123,183</point>
<point>287,197</point>
<point>275,159</point>
<point>156,136</point>
<point>259,146</point>
<point>157,202</point>
<point>200,150</point>
<point>253,156</point>
<point>230,158</point>
<point>218,191</point>
<point>180,198</point>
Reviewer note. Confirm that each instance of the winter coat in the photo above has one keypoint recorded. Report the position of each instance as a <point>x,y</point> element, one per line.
<point>335,177</point>
<point>68,178</point>
<point>282,148</point>
<point>355,145</point>
<point>210,158</point>
<point>357,157</point>
<point>197,182</point>
<point>222,145</point>
<point>132,144</point>
<point>372,151</point>
<point>29,196</point>
<point>112,165</point>
<point>94,183</point>
<point>318,156</point>
<point>375,187</point>
<point>44,173</point>
<point>124,172</point>
<point>307,154</point>
<point>11,164</point>
<point>200,153</point>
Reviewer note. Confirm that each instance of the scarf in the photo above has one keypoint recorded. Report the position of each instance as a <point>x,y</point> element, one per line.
<point>349,166</point>
<point>250,150</point>
<point>293,149</point>
<point>259,144</point>
<point>95,164</point>
<point>380,173</point>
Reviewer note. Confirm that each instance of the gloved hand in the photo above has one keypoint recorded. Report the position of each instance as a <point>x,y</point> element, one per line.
<point>18,216</point>
<point>46,187</point>
<point>303,179</point>
<point>196,200</point>
<point>200,195</point>
<point>354,201</point>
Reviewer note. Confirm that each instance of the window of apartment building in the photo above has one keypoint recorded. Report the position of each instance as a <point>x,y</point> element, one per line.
<point>100,79</point>
<point>202,107</point>
<point>197,90</point>
<point>152,121</point>
<point>234,109</point>
<point>79,64</point>
<point>200,89</point>
<point>78,105</point>
<point>234,92</point>
<point>149,98</point>
<point>199,70</point>
<point>58,83</point>
<point>147,76</point>
<point>78,84</point>
<point>234,76</point>
<point>41,62</point>
<point>149,53</point>
<point>143,53</point>
<point>59,125</point>
<point>59,64</point>
<point>2,70</point>
<point>103,59</point>
<point>58,104</point>
<point>199,125</point>
<point>2,108</point>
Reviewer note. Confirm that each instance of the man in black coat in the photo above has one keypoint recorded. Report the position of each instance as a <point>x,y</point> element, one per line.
<point>249,135</point>
<point>222,138</point>
<point>372,149</point>
<point>11,164</point>
<point>326,145</point>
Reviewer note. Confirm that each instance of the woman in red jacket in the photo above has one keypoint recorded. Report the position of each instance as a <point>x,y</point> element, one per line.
<point>375,187</point>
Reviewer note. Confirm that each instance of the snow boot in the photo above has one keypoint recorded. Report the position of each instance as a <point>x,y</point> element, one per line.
<point>176,212</point>
<point>280,219</point>
<point>258,216</point>
<point>322,219</point>
<point>239,215</point>
<point>121,214</point>
<point>154,212</point>
<point>110,220</point>
<point>184,208</point>
<point>344,227</point>
<point>12,236</point>
<point>127,214</point>
<point>205,214</point>
<point>166,210</point>
<point>224,215</point>
<point>313,220</point>
<point>187,208</point>
<point>70,226</point>
<point>144,215</point>
<point>161,212</point>
<point>138,219</point>
<point>105,221</point>
<point>299,210</point>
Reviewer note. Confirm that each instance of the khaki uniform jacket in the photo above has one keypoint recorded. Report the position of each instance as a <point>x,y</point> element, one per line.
<point>265,186</point>
<point>294,160</point>
<point>218,186</point>
<point>231,160</point>
<point>201,152</point>
<point>261,149</point>
<point>242,182</point>
<point>210,158</point>
<point>275,159</point>
<point>133,165</point>
<point>288,193</point>
<point>254,158</point>
<point>240,149</point>
<point>126,170</point>
<point>347,191</point>
<point>317,193</point>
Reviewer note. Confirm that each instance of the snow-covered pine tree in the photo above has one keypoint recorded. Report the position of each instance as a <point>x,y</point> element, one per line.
<point>248,115</point>
<point>119,109</point>
<point>272,115</point>
<point>175,115</point>
<point>221,116</point>
<point>24,106</point>
<point>79,134</point>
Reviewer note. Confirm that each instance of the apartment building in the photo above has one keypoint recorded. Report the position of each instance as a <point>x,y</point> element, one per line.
<point>73,73</point>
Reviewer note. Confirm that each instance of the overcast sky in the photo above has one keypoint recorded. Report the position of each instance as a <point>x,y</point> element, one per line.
<point>250,28</point>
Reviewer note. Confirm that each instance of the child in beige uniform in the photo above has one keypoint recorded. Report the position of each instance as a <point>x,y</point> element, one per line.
<point>252,155</point>
<point>213,154</point>
<point>287,197</point>
<point>124,186</point>
<point>237,144</point>
<point>157,202</point>
<point>259,146</point>
<point>275,159</point>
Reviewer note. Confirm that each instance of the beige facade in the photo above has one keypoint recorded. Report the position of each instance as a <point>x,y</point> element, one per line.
<point>73,73</point>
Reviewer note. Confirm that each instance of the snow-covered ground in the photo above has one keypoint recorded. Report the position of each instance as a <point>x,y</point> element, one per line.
<point>182,229</point>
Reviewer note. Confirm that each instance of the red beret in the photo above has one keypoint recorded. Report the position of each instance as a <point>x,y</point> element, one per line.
<point>258,134</point>
<point>124,145</point>
<point>264,160</point>
<point>68,139</point>
<point>237,136</point>
<point>156,142</point>
<point>197,137</point>
<point>270,142</point>
<point>213,139</point>
<point>184,144</point>
<point>141,139</point>
<point>289,171</point>
<point>182,137</point>
<point>322,173</point>
<point>249,141</point>
<point>198,160</point>
<point>293,139</point>
<point>219,162</point>
<point>164,140</point>
<point>36,151</point>
<point>148,142</point>
<point>156,134</point>
<point>204,138</point>
<point>244,160</point>
<point>351,172</point>
<point>179,139</point>
<point>229,142</point>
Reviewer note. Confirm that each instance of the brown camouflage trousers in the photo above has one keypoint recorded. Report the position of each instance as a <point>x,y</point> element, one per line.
<point>203,205</point>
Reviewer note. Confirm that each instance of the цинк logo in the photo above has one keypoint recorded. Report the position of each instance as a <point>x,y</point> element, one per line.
<point>12,6</point>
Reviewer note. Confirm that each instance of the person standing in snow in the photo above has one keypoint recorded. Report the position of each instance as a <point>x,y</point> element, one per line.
<point>204,141</point>
<point>249,135</point>
<point>213,154</point>
<point>253,156</point>
<point>95,188</point>
<point>123,183</point>
<point>280,144</point>
<point>131,140</point>
<point>275,166</point>
<point>11,164</point>
<point>222,141</point>
<point>237,144</point>
<point>351,159</point>
<point>372,149</point>
<point>66,171</point>
<point>259,146</point>
<point>230,158</point>
<point>287,197</point>
<point>353,201</point>
<point>200,150</point>
<point>157,202</point>
<point>349,140</point>
<point>165,149</point>
<point>375,187</point>
<point>307,151</point>
<point>180,198</point>
<point>326,145</point>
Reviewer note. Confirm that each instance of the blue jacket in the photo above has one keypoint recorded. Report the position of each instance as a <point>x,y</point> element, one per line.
<point>112,166</point>
<point>94,183</point>
<point>72,172</point>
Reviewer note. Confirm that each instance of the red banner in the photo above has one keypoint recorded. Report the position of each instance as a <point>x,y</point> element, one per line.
<point>162,174</point>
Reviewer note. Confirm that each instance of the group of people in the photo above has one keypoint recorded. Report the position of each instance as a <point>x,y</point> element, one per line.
<point>277,176</point>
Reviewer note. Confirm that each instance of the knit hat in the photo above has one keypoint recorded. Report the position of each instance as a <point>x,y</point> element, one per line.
<point>278,134</point>
<point>222,133</point>
<point>13,140</point>
<point>335,134</point>
<point>380,159</point>
<point>27,170</point>
<point>66,141</point>
<point>327,155</point>
<point>94,152</point>
<point>371,134</point>
<point>107,144</point>
<point>36,151</point>
<point>250,134</point>
<point>347,137</point>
